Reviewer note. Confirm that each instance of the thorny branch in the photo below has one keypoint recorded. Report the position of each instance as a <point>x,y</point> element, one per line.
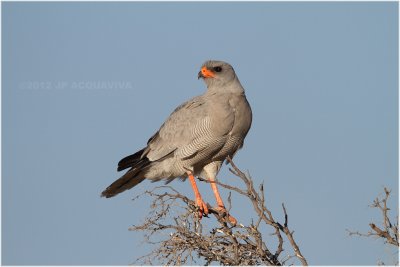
<point>180,238</point>
<point>388,231</point>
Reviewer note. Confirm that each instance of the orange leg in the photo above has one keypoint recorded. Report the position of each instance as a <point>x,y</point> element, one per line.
<point>199,201</point>
<point>220,203</point>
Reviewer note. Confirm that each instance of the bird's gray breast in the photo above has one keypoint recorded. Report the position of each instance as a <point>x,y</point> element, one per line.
<point>241,117</point>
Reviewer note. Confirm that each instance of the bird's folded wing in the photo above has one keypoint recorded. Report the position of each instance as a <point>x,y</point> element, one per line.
<point>187,132</point>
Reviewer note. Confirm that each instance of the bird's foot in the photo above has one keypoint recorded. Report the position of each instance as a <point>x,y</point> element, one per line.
<point>202,207</point>
<point>222,210</point>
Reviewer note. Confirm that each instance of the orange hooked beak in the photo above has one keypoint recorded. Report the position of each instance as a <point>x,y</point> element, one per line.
<point>206,73</point>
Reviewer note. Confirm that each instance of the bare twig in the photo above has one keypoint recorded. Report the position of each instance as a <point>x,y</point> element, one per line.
<point>388,231</point>
<point>180,238</point>
<point>261,209</point>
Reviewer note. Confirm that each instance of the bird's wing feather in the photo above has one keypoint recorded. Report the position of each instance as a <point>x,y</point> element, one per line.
<point>190,129</point>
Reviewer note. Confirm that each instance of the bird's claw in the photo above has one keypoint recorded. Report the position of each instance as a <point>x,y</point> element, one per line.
<point>202,207</point>
<point>222,209</point>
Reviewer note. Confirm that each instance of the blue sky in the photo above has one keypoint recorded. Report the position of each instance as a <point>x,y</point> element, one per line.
<point>85,84</point>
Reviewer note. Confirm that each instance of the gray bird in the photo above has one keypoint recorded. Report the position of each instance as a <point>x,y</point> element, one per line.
<point>195,139</point>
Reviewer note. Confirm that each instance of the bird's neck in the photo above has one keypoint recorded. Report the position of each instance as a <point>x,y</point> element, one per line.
<point>233,87</point>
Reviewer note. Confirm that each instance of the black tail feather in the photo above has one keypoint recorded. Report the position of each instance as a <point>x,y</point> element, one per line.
<point>131,178</point>
<point>130,161</point>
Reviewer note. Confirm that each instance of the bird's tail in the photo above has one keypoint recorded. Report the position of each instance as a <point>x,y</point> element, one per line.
<point>131,178</point>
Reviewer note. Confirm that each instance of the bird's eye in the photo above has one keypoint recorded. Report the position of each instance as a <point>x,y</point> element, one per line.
<point>217,69</point>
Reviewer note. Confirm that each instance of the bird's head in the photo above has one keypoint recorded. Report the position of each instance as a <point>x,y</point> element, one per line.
<point>217,73</point>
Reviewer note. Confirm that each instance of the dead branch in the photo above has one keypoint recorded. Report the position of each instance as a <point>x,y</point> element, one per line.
<point>388,231</point>
<point>180,238</point>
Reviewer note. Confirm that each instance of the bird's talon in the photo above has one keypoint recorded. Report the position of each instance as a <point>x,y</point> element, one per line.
<point>222,209</point>
<point>202,207</point>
